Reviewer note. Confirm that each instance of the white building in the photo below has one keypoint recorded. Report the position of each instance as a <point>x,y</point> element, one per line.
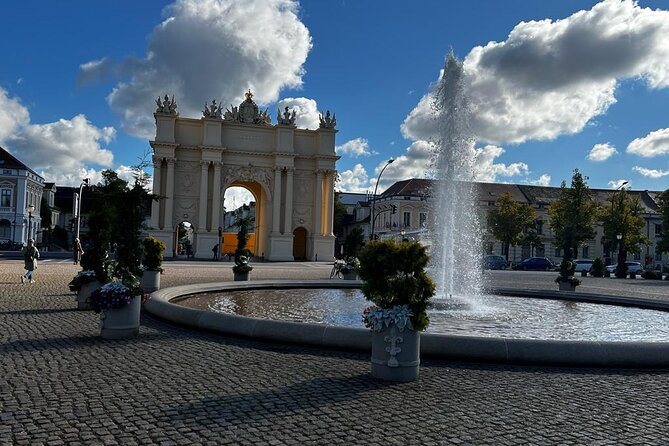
<point>20,199</point>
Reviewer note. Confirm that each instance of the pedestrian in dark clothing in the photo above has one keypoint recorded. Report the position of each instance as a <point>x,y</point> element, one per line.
<point>30,256</point>
<point>215,249</point>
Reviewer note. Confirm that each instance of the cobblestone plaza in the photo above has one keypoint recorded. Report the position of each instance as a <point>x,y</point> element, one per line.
<point>61,384</point>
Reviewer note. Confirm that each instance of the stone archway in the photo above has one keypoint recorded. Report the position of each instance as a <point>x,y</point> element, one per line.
<point>300,243</point>
<point>249,205</point>
<point>290,171</point>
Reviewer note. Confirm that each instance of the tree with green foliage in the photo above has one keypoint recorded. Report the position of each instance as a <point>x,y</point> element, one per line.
<point>45,214</point>
<point>572,219</point>
<point>623,217</point>
<point>338,216</point>
<point>663,242</point>
<point>509,220</point>
<point>354,241</point>
<point>242,254</point>
<point>532,237</point>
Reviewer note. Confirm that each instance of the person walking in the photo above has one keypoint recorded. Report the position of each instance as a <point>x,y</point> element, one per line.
<point>215,249</point>
<point>30,256</point>
<point>77,250</point>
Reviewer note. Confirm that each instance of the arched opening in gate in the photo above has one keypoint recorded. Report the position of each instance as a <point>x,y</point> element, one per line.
<point>300,243</point>
<point>183,240</point>
<point>239,201</point>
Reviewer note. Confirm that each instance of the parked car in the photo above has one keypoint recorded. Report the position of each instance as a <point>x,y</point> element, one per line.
<point>631,267</point>
<point>535,264</point>
<point>494,262</point>
<point>582,265</point>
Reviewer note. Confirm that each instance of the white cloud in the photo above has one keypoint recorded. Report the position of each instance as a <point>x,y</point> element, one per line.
<point>306,111</point>
<point>550,78</point>
<point>601,152</point>
<point>543,180</point>
<point>60,150</point>
<point>486,170</point>
<point>354,180</point>
<point>654,144</point>
<point>615,184</point>
<point>208,49</point>
<point>355,148</point>
<point>651,173</point>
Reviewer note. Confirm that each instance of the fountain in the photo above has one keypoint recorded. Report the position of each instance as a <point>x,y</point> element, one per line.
<point>283,311</point>
<point>456,237</point>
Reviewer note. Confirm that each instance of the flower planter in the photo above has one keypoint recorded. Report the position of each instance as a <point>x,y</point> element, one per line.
<point>150,281</point>
<point>83,303</point>
<point>395,354</point>
<point>567,286</point>
<point>121,323</point>
<point>350,275</point>
<point>240,277</point>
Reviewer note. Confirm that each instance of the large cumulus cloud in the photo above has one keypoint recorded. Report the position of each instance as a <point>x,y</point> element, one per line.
<point>208,49</point>
<point>61,151</point>
<point>552,77</point>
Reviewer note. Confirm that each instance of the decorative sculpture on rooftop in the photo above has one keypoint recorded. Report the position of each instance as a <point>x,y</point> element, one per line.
<point>213,110</point>
<point>166,106</point>
<point>288,118</point>
<point>327,122</point>
<point>247,113</point>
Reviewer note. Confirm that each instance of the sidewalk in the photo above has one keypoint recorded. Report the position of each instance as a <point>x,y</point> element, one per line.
<point>61,384</point>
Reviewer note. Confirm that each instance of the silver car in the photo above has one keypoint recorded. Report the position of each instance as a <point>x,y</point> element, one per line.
<point>631,267</point>
<point>582,265</point>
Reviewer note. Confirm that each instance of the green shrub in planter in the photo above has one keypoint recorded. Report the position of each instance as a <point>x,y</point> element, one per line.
<point>153,253</point>
<point>393,275</point>
<point>598,267</point>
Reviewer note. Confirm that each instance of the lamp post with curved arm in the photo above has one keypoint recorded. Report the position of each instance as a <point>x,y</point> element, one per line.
<point>30,209</point>
<point>390,161</point>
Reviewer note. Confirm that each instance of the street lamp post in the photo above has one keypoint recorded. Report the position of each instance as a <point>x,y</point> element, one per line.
<point>78,209</point>
<point>390,161</point>
<point>30,210</point>
<point>621,259</point>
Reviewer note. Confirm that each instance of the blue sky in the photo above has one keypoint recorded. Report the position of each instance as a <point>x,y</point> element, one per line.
<point>554,85</point>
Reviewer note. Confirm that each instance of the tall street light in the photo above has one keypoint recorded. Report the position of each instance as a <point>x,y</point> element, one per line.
<point>390,161</point>
<point>30,210</point>
<point>78,208</point>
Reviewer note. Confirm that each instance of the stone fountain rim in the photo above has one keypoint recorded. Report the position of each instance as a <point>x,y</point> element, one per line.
<point>460,348</point>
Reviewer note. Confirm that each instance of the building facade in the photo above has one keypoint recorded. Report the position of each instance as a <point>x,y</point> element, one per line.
<point>289,171</point>
<point>21,191</point>
<point>405,208</point>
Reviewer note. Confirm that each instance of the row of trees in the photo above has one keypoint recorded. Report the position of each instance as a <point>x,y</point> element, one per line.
<point>573,217</point>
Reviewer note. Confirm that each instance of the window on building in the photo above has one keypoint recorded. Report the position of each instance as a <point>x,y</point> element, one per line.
<point>586,252</point>
<point>658,228</point>
<point>491,203</point>
<point>489,247</point>
<point>658,256</point>
<point>541,252</point>
<point>5,229</point>
<point>558,252</point>
<point>637,256</point>
<point>5,197</point>
<point>540,227</point>
<point>422,218</point>
<point>407,219</point>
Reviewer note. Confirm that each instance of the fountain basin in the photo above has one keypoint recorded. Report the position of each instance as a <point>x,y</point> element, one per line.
<point>467,348</point>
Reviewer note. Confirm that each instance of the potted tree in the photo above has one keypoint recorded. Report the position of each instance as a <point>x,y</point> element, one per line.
<point>242,269</point>
<point>116,224</point>
<point>394,279</point>
<point>349,269</point>
<point>566,280</point>
<point>84,283</point>
<point>153,261</point>
<point>598,267</point>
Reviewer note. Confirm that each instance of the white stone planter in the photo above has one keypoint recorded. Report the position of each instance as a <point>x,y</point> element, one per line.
<point>83,303</point>
<point>566,286</point>
<point>240,277</point>
<point>150,281</point>
<point>351,275</point>
<point>395,354</point>
<point>122,323</point>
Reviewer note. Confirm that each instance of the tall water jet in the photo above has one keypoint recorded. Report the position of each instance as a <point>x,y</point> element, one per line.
<point>456,241</point>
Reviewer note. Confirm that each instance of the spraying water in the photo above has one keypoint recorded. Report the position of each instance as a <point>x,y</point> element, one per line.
<point>456,245</point>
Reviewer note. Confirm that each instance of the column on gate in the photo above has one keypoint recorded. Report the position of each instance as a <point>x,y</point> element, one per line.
<point>155,204</point>
<point>169,192</point>
<point>288,216</point>
<point>330,204</point>
<point>318,206</point>
<point>204,183</point>
<point>276,201</point>
<point>216,197</point>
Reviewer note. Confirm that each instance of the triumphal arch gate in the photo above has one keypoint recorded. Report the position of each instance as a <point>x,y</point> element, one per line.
<point>289,171</point>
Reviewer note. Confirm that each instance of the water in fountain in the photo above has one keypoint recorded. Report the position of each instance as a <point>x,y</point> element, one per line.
<point>456,241</point>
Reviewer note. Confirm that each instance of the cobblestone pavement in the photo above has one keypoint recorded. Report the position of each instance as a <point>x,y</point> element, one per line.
<point>61,384</point>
